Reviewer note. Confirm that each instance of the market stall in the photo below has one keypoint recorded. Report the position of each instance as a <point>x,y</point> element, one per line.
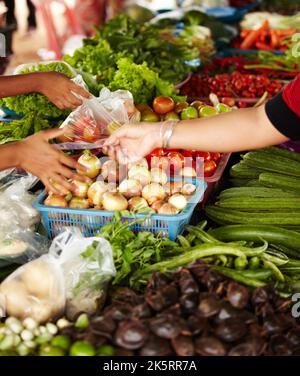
<point>183,252</point>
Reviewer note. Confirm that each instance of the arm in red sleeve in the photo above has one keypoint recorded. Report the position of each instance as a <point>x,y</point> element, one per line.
<point>284,110</point>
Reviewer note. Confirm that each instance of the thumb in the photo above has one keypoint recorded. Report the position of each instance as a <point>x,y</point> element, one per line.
<point>114,138</point>
<point>53,133</point>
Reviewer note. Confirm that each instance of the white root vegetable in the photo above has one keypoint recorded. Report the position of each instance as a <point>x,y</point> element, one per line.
<point>114,202</point>
<point>188,172</point>
<point>178,200</point>
<point>168,209</point>
<point>153,192</point>
<point>112,171</point>
<point>173,187</point>
<point>143,162</point>
<point>157,205</point>
<point>140,173</point>
<point>91,163</point>
<point>38,279</point>
<point>79,203</point>
<point>55,200</point>
<point>96,191</point>
<point>130,188</point>
<point>158,176</point>
<point>80,188</point>
<point>188,189</point>
<point>137,204</point>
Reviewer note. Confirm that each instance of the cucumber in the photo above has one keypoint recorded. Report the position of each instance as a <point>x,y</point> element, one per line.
<point>283,239</point>
<point>230,216</point>
<point>255,192</point>
<point>274,163</point>
<point>284,182</point>
<point>237,182</point>
<point>260,203</point>
<point>243,171</point>
<point>282,152</point>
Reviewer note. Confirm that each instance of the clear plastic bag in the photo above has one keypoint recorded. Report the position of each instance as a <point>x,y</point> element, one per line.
<point>95,119</point>
<point>88,267</point>
<point>21,246</point>
<point>72,278</point>
<point>16,209</point>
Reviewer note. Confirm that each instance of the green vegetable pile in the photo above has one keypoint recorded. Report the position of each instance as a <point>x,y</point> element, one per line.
<point>36,108</point>
<point>244,259</point>
<point>267,191</point>
<point>161,61</point>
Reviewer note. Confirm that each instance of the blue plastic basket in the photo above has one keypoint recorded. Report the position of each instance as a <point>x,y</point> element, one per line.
<point>55,219</point>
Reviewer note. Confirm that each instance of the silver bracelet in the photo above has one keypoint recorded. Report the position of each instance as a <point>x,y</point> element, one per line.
<point>166,132</point>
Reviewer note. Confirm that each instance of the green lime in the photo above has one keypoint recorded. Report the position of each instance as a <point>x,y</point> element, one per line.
<point>82,321</point>
<point>206,111</point>
<point>50,350</point>
<point>63,342</point>
<point>189,113</point>
<point>221,107</point>
<point>171,116</point>
<point>106,350</point>
<point>81,348</point>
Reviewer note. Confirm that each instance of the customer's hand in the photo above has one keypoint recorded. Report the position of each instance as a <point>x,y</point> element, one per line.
<point>60,90</point>
<point>132,142</point>
<point>37,156</point>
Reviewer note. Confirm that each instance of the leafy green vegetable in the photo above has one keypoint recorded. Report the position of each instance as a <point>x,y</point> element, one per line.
<point>123,37</point>
<point>142,82</point>
<point>132,252</point>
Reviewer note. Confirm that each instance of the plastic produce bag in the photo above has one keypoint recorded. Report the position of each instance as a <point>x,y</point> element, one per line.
<point>21,246</point>
<point>72,277</point>
<point>95,119</point>
<point>16,209</point>
<point>88,267</point>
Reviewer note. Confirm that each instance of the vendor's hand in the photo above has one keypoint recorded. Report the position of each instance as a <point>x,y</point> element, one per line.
<point>60,90</point>
<point>37,156</point>
<point>132,142</point>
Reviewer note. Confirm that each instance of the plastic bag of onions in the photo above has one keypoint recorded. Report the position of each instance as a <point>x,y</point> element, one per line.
<point>72,277</point>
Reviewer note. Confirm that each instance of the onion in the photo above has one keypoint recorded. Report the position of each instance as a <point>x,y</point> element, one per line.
<point>143,162</point>
<point>96,191</point>
<point>168,209</point>
<point>60,188</point>
<point>91,163</point>
<point>157,205</point>
<point>112,171</point>
<point>178,200</point>
<point>188,172</point>
<point>188,189</point>
<point>140,173</point>
<point>56,200</point>
<point>79,203</point>
<point>114,202</point>
<point>112,187</point>
<point>80,188</point>
<point>173,187</point>
<point>153,192</point>
<point>158,176</point>
<point>130,188</point>
<point>137,204</point>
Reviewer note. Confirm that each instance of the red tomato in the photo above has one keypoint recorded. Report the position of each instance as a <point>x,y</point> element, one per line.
<point>176,159</point>
<point>202,154</point>
<point>209,168</point>
<point>163,105</point>
<point>159,162</point>
<point>158,152</point>
<point>187,153</point>
<point>215,157</point>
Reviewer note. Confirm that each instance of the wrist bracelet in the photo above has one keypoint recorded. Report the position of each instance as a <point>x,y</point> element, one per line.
<point>166,132</point>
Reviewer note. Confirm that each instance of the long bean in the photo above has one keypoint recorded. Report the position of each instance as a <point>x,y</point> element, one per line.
<point>276,272</point>
<point>239,277</point>
<point>199,252</point>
